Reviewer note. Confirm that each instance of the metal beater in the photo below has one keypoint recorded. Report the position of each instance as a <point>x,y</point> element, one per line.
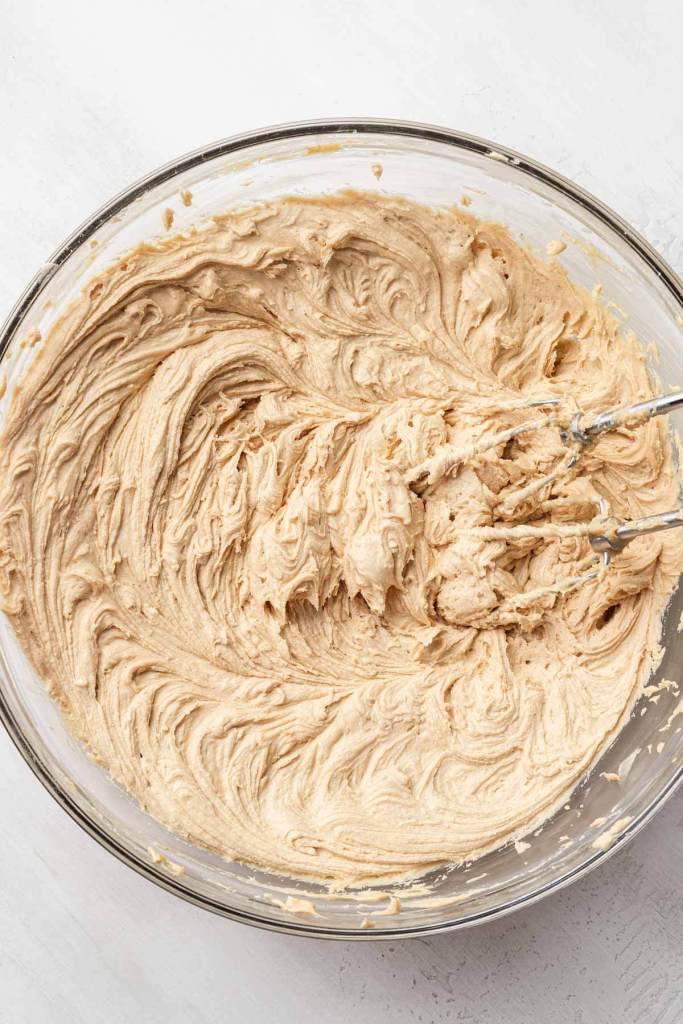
<point>607,536</point>
<point>617,538</point>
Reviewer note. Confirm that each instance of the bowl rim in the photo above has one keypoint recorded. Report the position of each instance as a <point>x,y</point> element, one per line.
<point>298,130</point>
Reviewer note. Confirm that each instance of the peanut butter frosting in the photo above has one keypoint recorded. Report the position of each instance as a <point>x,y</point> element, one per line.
<point>272,536</point>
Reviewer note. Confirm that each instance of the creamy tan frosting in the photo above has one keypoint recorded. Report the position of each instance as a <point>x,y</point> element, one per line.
<point>268,536</point>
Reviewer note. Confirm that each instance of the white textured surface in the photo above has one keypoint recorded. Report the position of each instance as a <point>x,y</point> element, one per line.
<point>90,103</point>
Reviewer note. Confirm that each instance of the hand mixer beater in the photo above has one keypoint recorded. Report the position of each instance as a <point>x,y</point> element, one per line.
<point>607,535</point>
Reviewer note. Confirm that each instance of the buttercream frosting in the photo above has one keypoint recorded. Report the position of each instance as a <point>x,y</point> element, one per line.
<point>269,535</point>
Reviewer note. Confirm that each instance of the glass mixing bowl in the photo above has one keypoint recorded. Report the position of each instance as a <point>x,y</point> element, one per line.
<point>436,167</point>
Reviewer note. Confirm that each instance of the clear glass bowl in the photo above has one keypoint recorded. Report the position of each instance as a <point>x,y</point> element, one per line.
<point>437,167</point>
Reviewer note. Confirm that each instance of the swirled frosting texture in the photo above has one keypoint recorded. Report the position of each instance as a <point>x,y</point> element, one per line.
<point>243,487</point>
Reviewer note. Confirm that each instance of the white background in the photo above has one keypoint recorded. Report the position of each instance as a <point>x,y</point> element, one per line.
<point>91,97</point>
